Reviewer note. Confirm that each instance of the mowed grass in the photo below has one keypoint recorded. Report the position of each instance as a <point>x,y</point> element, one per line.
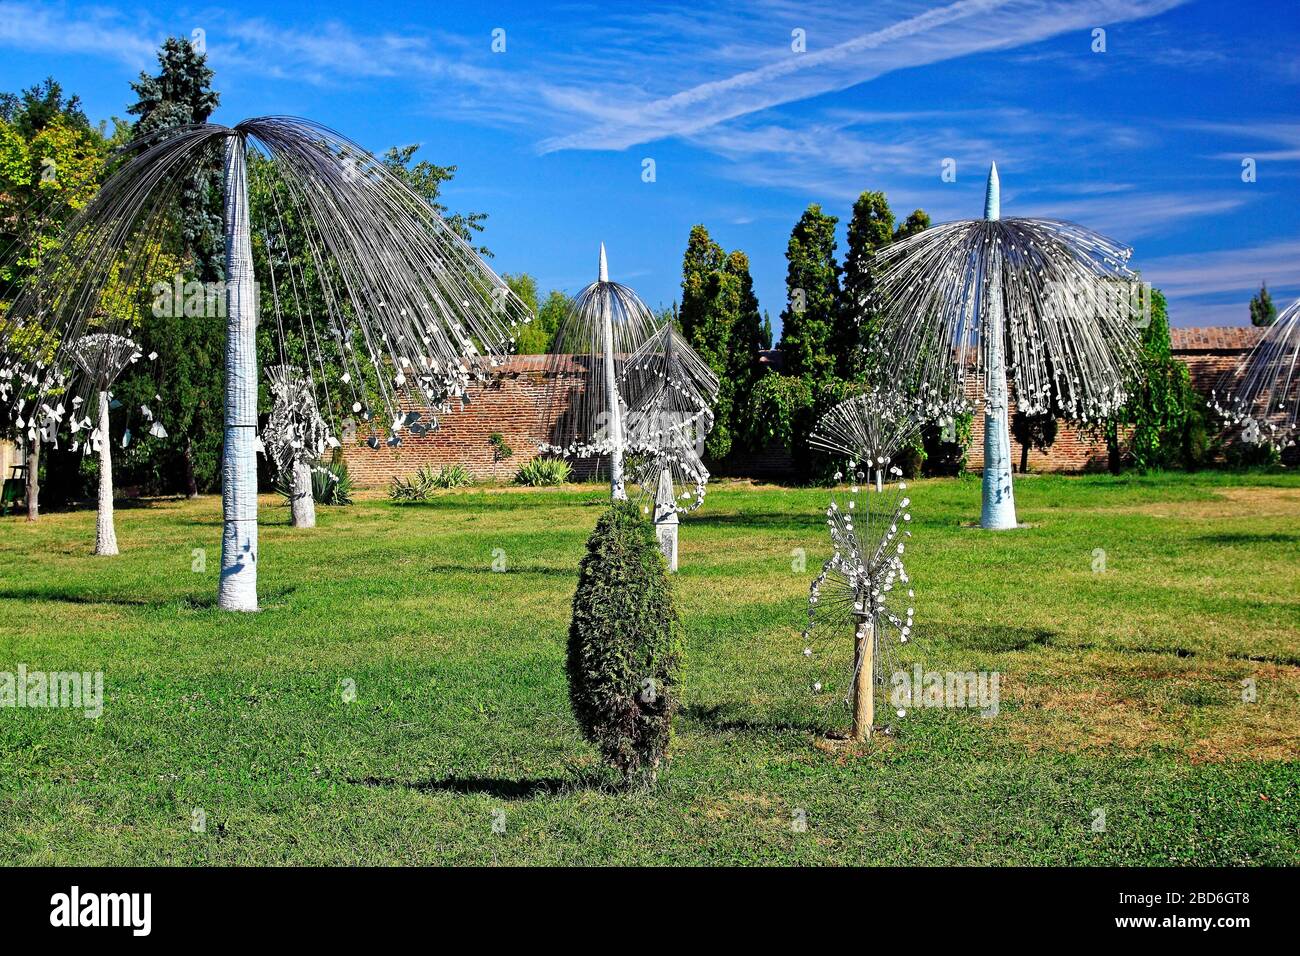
<point>1121,690</point>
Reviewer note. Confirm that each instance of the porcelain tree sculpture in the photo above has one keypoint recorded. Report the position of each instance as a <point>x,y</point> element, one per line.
<point>862,584</point>
<point>406,298</point>
<point>1262,393</point>
<point>295,438</point>
<point>102,357</point>
<point>1048,302</point>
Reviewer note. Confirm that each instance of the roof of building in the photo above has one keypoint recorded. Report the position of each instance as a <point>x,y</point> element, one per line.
<point>1215,338</point>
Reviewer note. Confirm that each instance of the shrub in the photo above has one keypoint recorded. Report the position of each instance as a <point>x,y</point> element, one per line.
<point>544,471</point>
<point>1245,454</point>
<point>421,485</point>
<point>452,476</point>
<point>624,653</point>
<point>330,485</point>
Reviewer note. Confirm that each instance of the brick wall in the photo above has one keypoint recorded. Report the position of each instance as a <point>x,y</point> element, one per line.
<point>514,403</point>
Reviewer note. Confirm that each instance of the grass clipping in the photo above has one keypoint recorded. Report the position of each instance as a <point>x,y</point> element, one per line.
<point>625,647</point>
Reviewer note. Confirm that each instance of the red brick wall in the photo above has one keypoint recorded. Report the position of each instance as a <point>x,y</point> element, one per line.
<point>512,403</point>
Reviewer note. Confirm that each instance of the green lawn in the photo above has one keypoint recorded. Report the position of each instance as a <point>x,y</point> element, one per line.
<point>1121,690</point>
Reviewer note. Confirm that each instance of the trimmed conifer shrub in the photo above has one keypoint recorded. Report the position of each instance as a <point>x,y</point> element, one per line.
<point>625,646</point>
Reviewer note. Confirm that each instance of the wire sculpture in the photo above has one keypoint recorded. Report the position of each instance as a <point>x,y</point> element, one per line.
<point>672,415</point>
<point>102,357</point>
<point>295,439</point>
<point>584,408</point>
<point>862,583</point>
<point>1050,303</point>
<point>1262,393</point>
<point>413,313</point>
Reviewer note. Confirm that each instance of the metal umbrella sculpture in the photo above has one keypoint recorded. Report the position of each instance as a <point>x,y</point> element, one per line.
<point>862,584</point>
<point>405,298</point>
<point>672,415</point>
<point>1049,302</point>
<point>102,357</point>
<point>606,323</point>
<point>641,398</point>
<point>295,438</point>
<point>1262,394</point>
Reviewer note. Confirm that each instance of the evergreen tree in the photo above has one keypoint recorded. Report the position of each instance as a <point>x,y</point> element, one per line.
<point>765,335</point>
<point>870,229</point>
<point>181,95</point>
<point>1262,310</point>
<point>700,266</point>
<point>187,373</point>
<point>917,221</point>
<point>812,297</point>
<point>625,646</point>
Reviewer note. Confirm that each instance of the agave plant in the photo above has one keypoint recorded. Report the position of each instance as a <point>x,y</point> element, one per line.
<point>1048,302</point>
<point>415,314</point>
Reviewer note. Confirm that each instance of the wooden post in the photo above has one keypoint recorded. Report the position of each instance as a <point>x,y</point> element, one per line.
<point>864,664</point>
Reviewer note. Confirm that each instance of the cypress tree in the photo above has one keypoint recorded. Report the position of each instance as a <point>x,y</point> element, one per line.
<point>812,297</point>
<point>625,649</point>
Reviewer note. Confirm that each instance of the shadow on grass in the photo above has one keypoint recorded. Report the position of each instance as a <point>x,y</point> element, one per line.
<point>498,787</point>
<point>732,717</point>
<point>188,601</point>
<point>1264,537</point>
<point>780,519</point>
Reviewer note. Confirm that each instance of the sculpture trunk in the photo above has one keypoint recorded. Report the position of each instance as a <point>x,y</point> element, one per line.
<point>237,589</point>
<point>617,489</point>
<point>33,492</point>
<point>999,509</point>
<point>105,534</point>
<point>302,504</point>
<point>864,666</point>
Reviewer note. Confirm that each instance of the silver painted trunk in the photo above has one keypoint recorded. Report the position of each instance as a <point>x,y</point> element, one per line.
<point>105,533</point>
<point>302,504</point>
<point>237,589</point>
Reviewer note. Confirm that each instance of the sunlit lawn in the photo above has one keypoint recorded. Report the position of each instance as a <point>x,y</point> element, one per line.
<point>1121,690</point>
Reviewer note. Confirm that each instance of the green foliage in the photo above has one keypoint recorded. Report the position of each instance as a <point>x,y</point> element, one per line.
<point>871,228</point>
<point>330,485</point>
<point>719,316</point>
<point>540,472</point>
<point>625,647</point>
<point>1161,397</point>
<point>1241,454</point>
<point>421,485</point>
<point>500,450</point>
<point>782,407</point>
<point>426,179</point>
<point>812,297</point>
<point>535,337</point>
<point>180,95</point>
<point>1262,310</point>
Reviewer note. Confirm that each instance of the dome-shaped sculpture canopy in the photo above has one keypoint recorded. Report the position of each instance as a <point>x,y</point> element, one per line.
<point>672,414</point>
<point>1262,393</point>
<point>413,312</point>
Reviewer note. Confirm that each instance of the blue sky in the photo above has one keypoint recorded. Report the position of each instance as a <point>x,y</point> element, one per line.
<point>1144,141</point>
